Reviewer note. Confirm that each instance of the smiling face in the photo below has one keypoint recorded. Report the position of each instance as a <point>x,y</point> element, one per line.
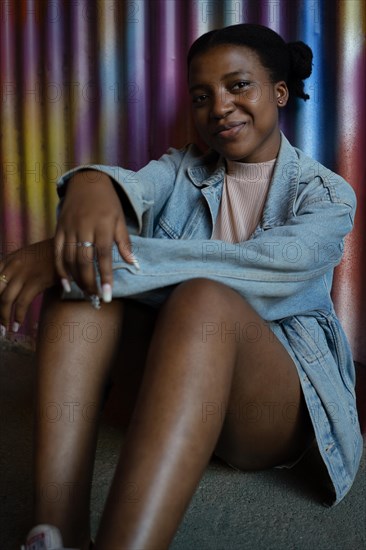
<point>235,104</point>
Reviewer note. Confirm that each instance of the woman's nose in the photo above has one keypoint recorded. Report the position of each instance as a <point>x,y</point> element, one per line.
<point>222,105</point>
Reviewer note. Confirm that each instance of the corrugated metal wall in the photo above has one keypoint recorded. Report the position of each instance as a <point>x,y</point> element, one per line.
<point>105,81</point>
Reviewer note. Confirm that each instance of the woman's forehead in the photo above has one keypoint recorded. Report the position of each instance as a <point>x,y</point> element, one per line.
<point>224,60</point>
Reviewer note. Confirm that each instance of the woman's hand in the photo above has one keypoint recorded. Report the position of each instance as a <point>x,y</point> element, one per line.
<point>23,275</point>
<point>91,220</point>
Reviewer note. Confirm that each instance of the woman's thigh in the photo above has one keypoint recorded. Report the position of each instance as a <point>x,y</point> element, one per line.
<point>266,420</point>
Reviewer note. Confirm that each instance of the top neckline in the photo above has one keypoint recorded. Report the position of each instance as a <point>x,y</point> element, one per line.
<point>250,170</point>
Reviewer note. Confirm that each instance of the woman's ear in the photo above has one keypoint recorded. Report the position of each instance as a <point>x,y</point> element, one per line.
<point>281,93</point>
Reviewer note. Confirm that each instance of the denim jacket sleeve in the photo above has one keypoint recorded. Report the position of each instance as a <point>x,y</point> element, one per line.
<point>282,270</point>
<point>146,190</point>
<point>306,245</point>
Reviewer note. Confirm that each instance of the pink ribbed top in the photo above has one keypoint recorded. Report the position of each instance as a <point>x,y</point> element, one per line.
<point>243,197</point>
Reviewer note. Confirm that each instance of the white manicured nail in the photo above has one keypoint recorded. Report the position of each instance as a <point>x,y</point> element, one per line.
<point>15,326</point>
<point>107,293</point>
<point>2,331</point>
<point>135,261</point>
<point>66,285</point>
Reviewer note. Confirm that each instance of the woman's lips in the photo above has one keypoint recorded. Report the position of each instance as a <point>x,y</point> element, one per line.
<point>230,132</point>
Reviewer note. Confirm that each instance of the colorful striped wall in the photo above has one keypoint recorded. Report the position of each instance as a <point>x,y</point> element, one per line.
<point>105,81</point>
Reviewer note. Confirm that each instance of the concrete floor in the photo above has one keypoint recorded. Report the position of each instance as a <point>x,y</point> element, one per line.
<point>268,510</point>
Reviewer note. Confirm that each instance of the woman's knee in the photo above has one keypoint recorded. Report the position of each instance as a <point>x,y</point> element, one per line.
<point>65,319</point>
<point>205,306</point>
<point>194,305</point>
<point>206,295</point>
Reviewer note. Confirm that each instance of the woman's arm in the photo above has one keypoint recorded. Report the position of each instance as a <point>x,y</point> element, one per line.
<point>278,271</point>
<point>91,213</point>
<point>95,200</point>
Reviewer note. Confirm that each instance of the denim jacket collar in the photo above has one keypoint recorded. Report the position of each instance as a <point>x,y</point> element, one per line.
<point>280,202</point>
<point>283,190</point>
<point>207,170</point>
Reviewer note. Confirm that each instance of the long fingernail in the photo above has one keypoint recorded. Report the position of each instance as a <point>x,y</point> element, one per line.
<point>15,326</point>
<point>66,285</point>
<point>107,293</point>
<point>135,261</point>
<point>2,331</point>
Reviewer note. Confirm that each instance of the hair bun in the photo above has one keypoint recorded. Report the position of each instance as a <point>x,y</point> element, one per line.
<point>301,58</point>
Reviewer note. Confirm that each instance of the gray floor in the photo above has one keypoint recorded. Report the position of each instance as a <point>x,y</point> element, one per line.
<point>271,510</point>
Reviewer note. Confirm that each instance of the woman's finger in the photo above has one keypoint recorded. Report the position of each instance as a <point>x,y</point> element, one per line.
<point>22,302</point>
<point>122,239</point>
<point>104,251</point>
<point>3,278</point>
<point>59,243</point>
<point>8,299</point>
<point>85,263</point>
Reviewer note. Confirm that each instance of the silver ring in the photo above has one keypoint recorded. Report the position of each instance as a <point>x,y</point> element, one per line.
<point>86,244</point>
<point>4,279</point>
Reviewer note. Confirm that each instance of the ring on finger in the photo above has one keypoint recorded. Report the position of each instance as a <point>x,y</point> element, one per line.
<point>86,244</point>
<point>4,279</point>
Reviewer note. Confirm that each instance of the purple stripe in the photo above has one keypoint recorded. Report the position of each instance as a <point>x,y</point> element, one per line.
<point>54,51</point>
<point>168,67</point>
<point>109,85</point>
<point>136,92</point>
<point>82,92</point>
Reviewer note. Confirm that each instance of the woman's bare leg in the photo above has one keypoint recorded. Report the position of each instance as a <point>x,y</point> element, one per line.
<point>76,346</point>
<point>197,375</point>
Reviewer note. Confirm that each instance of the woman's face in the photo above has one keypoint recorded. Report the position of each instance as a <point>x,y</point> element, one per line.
<point>235,104</point>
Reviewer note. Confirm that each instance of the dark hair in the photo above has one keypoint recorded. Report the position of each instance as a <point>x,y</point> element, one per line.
<point>291,62</point>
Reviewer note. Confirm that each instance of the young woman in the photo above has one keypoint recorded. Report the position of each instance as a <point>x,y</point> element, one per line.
<point>231,271</point>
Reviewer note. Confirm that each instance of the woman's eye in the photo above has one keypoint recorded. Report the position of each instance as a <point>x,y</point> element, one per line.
<point>198,99</point>
<point>241,85</point>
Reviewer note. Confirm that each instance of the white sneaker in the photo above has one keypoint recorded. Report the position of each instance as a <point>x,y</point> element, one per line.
<point>44,537</point>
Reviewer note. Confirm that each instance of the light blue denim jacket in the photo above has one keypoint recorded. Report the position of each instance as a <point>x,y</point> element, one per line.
<point>284,270</point>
